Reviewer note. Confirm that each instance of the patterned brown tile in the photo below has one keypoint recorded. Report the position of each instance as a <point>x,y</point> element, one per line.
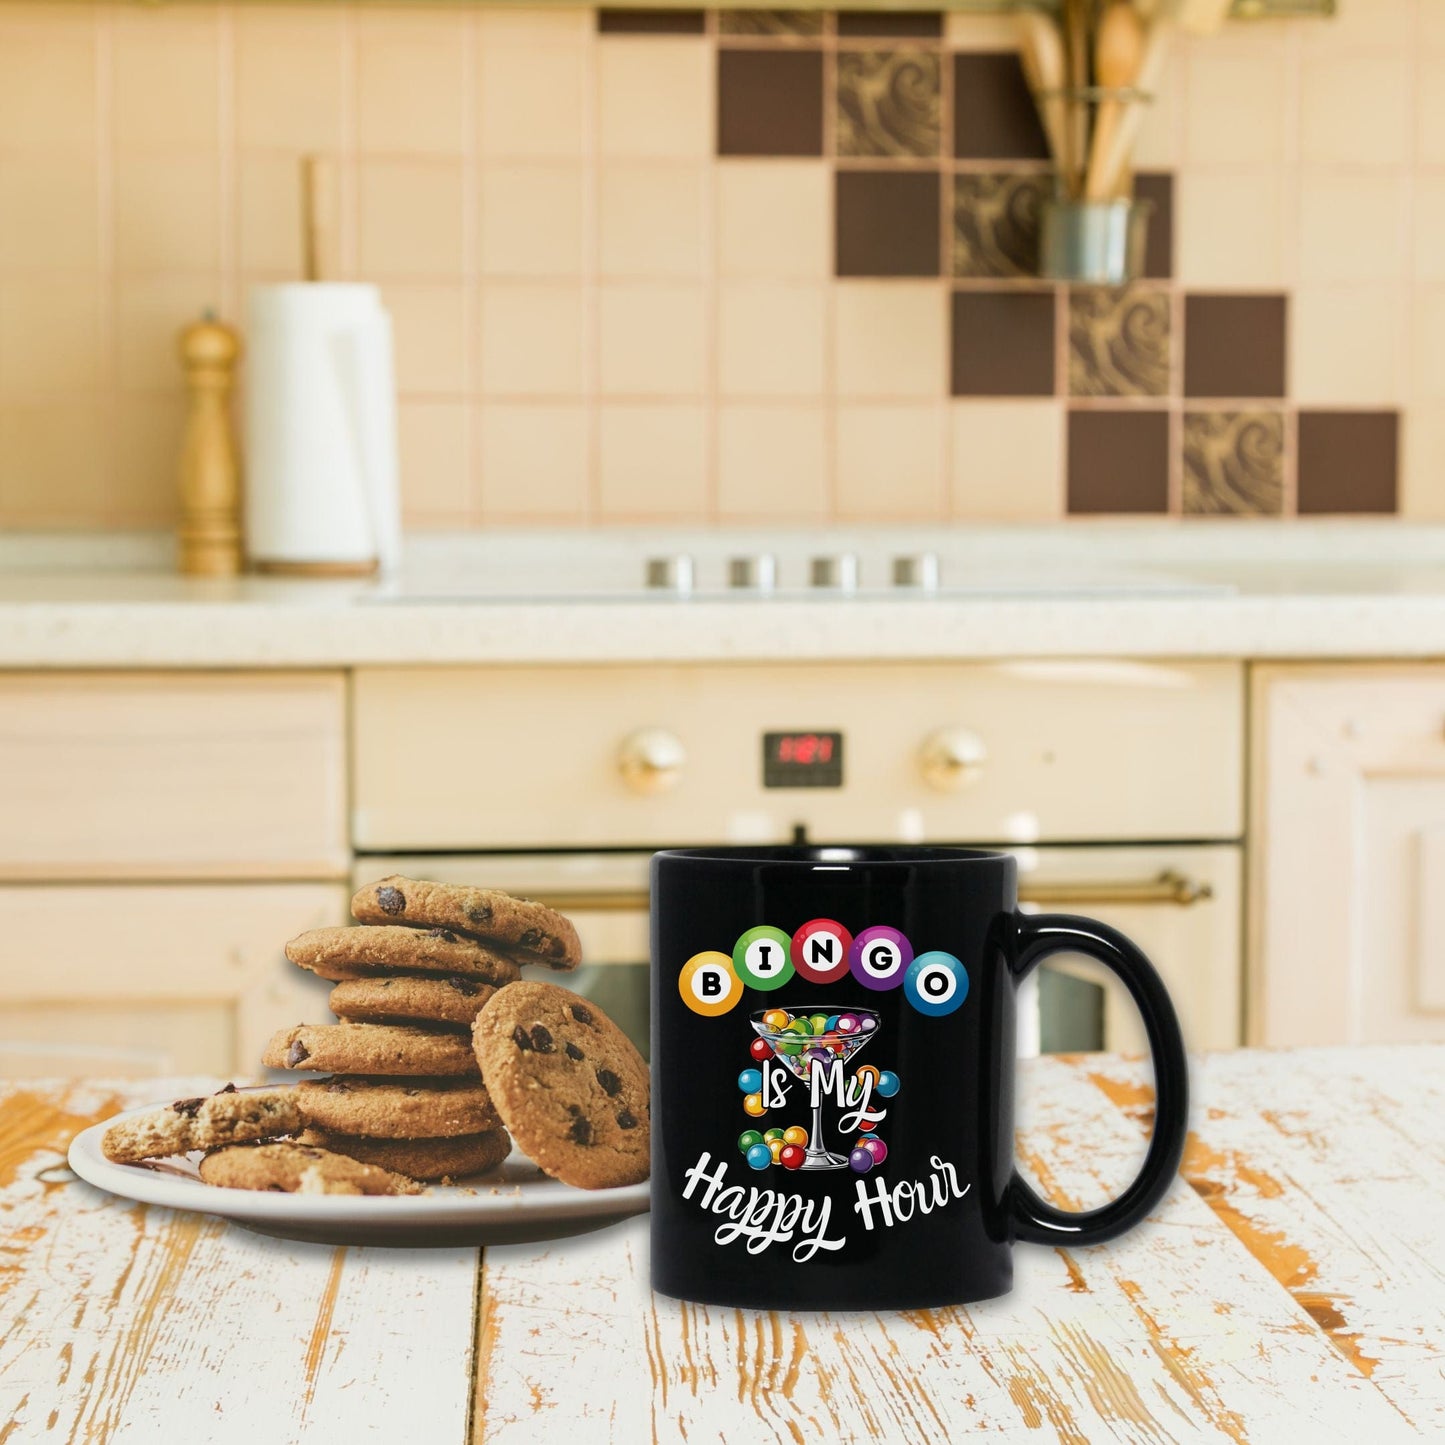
<point>887,223</point>
<point>1233,463</point>
<point>996,224</point>
<point>1348,461</point>
<point>927,24</point>
<point>770,103</point>
<point>889,103</point>
<point>993,113</point>
<point>1003,343</point>
<point>1118,341</point>
<point>1157,188</point>
<point>1234,346</point>
<point>1118,461</point>
<point>650,22</point>
<point>770,22</point>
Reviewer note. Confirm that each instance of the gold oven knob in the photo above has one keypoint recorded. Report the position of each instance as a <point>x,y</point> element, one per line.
<point>952,758</point>
<point>651,760</point>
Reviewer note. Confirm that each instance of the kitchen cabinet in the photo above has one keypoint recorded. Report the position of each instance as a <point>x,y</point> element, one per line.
<point>1347,886</point>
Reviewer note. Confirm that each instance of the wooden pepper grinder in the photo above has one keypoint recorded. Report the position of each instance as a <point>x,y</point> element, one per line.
<point>210,527</point>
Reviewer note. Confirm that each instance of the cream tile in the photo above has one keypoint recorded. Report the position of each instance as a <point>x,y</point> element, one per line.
<point>532,25</point>
<point>772,464</point>
<point>651,340</point>
<point>1354,110</point>
<point>533,339</point>
<point>165,75</point>
<point>774,219</point>
<point>1159,145</point>
<point>650,220</point>
<point>890,339</point>
<point>1430,110</point>
<point>771,338</point>
<point>167,213</point>
<point>1422,463</point>
<point>150,313</point>
<point>434,445</point>
<point>52,463</point>
<point>1007,460</point>
<point>890,462</point>
<point>1348,346</point>
<point>290,67</point>
<point>1359,25</point>
<point>268,213</point>
<point>52,331</point>
<point>532,220</point>
<point>1429,220</point>
<point>1352,227</point>
<point>147,443</point>
<point>48,83</point>
<point>966,31</point>
<point>535,463</point>
<point>532,101</point>
<point>411,218</point>
<point>1234,108</point>
<point>652,463</point>
<point>49,214</point>
<point>1427,325</point>
<point>1229,228</point>
<point>412,80</point>
<point>654,97</point>
<point>432,336</point>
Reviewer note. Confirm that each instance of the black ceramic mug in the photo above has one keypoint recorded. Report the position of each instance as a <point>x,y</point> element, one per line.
<point>833,1076</point>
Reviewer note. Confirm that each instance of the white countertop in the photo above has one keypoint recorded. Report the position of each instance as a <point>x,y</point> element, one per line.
<point>1227,590</point>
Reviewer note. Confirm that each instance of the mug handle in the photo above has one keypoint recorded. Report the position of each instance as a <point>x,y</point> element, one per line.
<point>1039,1222</point>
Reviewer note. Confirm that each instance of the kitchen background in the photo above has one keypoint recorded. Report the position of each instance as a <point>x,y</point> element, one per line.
<point>732,267</point>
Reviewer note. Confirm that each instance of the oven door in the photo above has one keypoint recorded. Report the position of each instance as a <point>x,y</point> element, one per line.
<point>1180,903</point>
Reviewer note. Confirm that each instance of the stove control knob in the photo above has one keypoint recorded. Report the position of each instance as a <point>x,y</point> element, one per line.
<point>837,573</point>
<point>651,760</point>
<point>757,573</point>
<point>670,574</point>
<point>952,758</point>
<point>916,570</point>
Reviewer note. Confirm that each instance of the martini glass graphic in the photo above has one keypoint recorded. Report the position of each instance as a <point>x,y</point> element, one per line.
<point>800,1054</point>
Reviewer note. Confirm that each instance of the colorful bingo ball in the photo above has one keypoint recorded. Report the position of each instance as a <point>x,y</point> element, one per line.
<point>775,1148</point>
<point>848,1024</point>
<point>887,1084</point>
<point>753,1105</point>
<point>936,983</point>
<point>770,1134</point>
<point>708,984</point>
<point>748,1138</point>
<point>867,1124</point>
<point>760,1049</point>
<point>830,1024</point>
<point>820,950</point>
<point>791,1156</point>
<point>759,1156</point>
<point>794,1037</point>
<point>818,1023</point>
<point>869,1024</point>
<point>796,1134</point>
<point>761,958</point>
<point>860,1161</point>
<point>876,1147</point>
<point>867,1071</point>
<point>879,957</point>
<point>777,1018</point>
<point>750,1081</point>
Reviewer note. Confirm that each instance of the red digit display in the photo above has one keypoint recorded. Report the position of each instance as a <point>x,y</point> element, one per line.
<point>803,760</point>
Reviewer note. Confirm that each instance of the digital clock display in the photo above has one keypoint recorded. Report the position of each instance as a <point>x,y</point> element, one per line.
<point>803,760</point>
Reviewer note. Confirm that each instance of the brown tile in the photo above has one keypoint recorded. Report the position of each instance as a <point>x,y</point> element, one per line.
<point>1233,463</point>
<point>1003,343</point>
<point>1118,341</point>
<point>993,113</point>
<point>1234,345</point>
<point>770,103</point>
<point>779,23</point>
<point>650,22</point>
<point>1348,461</point>
<point>996,224</point>
<point>926,23</point>
<point>1157,187</point>
<point>889,103</point>
<point>1118,461</point>
<point>887,223</point>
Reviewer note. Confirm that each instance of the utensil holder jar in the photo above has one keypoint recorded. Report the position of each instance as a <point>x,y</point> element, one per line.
<point>1096,243</point>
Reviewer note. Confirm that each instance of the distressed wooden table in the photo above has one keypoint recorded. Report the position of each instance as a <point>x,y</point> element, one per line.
<point>1290,1288</point>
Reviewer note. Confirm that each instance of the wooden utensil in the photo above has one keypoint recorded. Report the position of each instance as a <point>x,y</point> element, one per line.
<point>1118,54</point>
<point>318,228</point>
<point>1076,57</point>
<point>1041,52</point>
<point>1114,162</point>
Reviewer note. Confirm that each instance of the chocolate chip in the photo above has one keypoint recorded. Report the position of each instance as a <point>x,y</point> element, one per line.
<point>611,1084</point>
<point>188,1107</point>
<point>465,986</point>
<point>580,1132</point>
<point>387,982</point>
<point>297,1053</point>
<point>479,913</point>
<point>626,1120</point>
<point>573,1052</point>
<point>519,1037</point>
<point>574,1109</point>
<point>532,938</point>
<point>582,1015</point>
<point>445,933</point>
<point>542,1040</point>
<point>229,1089</point>
<point>337,1086</point>
<point>391,901</point>
<point>253,1116</point>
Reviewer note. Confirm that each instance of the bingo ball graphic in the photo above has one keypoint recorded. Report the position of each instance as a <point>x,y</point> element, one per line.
<point>820,950</point>
<point>708,984</point>
<point>936,983</point>
<point>879,957</point>
<point>762,957</point>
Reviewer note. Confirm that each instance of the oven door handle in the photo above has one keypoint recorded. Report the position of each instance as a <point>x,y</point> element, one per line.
<point>1169,887</point>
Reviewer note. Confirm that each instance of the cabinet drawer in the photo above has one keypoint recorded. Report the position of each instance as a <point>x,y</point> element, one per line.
<point>180,776</point>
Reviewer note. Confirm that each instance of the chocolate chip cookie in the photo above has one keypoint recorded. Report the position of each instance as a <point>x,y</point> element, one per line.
<point>233,1116</point>
<point>299,1168</point>
<point>362,952</point>
<point>348,1048</point>
<point>532,931</point>
<point>568,1083</point>
<point>397,1108</point>
<point>453,1158</point>
<point>453,1002</point>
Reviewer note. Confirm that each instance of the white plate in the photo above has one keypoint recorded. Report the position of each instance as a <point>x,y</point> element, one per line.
<point>514,1204</point>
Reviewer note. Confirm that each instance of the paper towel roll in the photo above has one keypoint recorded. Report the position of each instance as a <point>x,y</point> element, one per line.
<point>321,467</point>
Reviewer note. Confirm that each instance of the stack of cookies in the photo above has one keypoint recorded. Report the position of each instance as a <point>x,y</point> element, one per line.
<point>405,1091</point>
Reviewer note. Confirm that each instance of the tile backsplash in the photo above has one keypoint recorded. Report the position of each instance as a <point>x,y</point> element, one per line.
<point>737,266</point>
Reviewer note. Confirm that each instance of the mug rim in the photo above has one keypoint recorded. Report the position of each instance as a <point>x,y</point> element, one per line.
<point>814,855</point>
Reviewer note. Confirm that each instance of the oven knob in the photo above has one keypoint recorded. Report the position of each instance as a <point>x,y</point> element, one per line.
<point>838,573</point>
<point>952,758</point>
<point>651,760</point>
